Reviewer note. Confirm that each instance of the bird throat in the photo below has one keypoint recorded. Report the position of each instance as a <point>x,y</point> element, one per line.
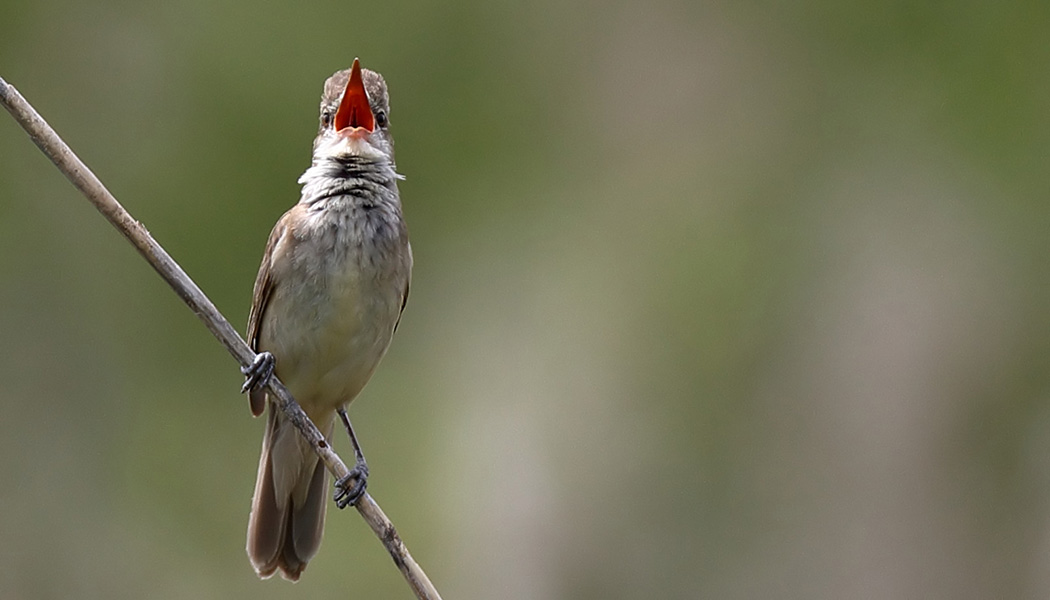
<point>365,182</point>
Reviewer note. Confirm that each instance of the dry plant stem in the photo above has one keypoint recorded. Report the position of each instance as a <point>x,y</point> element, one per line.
<point>77,172</point>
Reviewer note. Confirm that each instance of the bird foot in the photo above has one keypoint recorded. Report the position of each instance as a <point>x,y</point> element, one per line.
<point>350,488</point>
<point>258,373</point>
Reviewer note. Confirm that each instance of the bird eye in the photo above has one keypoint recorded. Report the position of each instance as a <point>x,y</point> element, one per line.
<point>326,119</point>
<point>381,118</point>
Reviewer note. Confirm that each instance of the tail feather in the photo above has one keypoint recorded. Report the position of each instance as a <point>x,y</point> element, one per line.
<point>283,533</point>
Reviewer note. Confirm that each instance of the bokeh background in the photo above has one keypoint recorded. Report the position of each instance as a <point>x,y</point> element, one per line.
<point>712,299</point>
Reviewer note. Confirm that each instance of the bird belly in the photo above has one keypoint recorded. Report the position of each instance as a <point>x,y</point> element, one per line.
<point>327,343</point>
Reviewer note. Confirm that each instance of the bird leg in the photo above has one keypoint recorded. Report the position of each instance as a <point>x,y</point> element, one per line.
<point>350,487</point>
<point>258,373</point>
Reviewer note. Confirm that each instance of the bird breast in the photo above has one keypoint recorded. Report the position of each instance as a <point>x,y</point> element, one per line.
<point>340,272</point>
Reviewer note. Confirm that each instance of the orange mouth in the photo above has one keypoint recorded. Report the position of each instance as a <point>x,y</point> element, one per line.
<point>354,112</point>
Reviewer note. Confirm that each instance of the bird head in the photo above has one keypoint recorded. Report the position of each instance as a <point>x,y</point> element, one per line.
<point>355,111</point>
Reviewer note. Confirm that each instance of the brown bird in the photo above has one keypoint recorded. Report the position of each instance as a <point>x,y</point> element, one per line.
<point>330,291</point>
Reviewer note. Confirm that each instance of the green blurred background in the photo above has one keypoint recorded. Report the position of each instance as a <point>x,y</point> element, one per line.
<point>711,300</point>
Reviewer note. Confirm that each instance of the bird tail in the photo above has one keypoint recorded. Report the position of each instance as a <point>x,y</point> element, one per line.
<point>288,507</point>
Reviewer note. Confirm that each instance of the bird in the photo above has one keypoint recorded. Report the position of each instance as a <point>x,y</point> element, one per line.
<point>328,297</point>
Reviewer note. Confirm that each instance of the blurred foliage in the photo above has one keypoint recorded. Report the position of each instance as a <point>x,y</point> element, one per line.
<point>725,300</point>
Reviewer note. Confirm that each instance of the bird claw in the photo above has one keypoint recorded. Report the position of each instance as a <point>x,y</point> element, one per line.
<point>258,373</point>
<point>350,488</point>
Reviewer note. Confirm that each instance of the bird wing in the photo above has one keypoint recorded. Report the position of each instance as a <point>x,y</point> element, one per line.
<point>404,301</point>
<point>261,293</point>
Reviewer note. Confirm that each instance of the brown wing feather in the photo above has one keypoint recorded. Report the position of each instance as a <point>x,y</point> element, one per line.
<point>260,300</point>
<point>404,301</point>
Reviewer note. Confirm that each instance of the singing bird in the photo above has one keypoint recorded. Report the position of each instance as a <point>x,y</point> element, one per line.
<point>329,295</point>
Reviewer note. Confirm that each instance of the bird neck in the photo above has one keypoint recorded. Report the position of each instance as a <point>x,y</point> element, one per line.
<point>363,180</point>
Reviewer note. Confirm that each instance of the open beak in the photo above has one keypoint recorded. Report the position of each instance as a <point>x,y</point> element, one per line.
<point>354,114</point>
